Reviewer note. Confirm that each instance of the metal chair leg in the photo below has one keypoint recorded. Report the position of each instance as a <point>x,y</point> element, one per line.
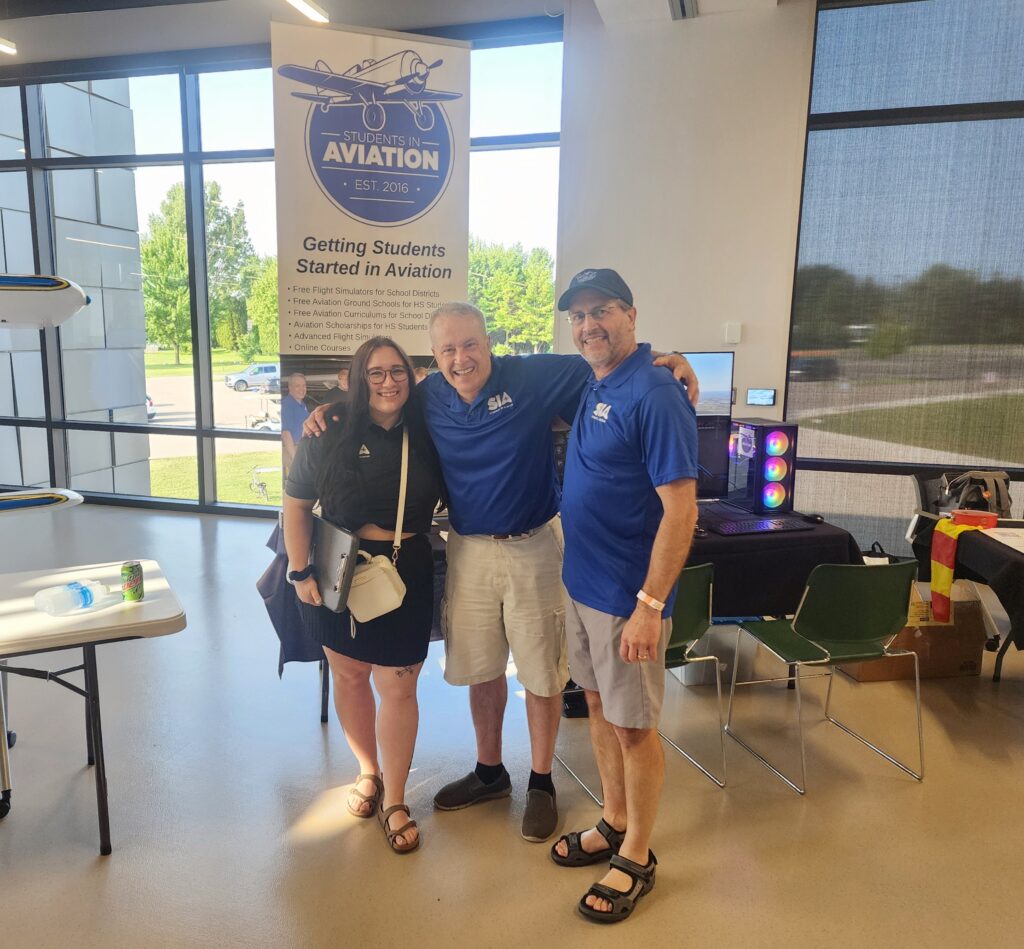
<point>5,761</point>
<point>579,780</point>
<point>917,775</point>
<point>721,734</point>
<point>800,728</point>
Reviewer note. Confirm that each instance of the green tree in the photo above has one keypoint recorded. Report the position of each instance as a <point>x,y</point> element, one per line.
<point>261,307</point>
<point>165,268</point>
<point>232,267</point>
<point>515,290</point>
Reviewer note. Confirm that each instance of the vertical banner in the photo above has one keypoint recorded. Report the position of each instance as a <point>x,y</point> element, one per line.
<point>371,141</point>
<point>371,136</point>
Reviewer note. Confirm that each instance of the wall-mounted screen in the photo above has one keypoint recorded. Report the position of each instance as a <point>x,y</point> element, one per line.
<point>760,396</point>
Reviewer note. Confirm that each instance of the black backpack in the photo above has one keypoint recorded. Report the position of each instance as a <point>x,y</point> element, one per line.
<point>976,491</point>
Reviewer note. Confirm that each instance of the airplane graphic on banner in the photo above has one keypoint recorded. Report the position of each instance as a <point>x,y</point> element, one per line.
<point>372,84</point>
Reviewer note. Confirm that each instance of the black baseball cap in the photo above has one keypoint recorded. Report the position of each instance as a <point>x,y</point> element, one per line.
<point>602,279</point>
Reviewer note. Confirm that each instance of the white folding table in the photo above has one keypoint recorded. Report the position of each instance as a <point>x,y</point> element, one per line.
<point>25,631</point>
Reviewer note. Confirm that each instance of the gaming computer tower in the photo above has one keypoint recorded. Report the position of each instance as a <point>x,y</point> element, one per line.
<point>762,465</point>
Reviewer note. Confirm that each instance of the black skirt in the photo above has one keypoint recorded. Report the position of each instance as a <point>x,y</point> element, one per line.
<point>398,638</point>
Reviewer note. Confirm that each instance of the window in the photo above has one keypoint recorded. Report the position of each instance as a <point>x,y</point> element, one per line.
<point>907,334</point>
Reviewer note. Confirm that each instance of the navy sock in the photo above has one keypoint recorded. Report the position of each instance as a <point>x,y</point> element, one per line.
<point>541,782</point>
<point>489,773</point>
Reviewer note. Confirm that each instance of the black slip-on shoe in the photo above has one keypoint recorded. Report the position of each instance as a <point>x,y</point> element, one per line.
<point>541,816</point>
<point>471,790</point>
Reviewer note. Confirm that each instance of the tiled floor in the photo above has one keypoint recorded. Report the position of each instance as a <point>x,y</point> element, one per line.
<point>229,827</point>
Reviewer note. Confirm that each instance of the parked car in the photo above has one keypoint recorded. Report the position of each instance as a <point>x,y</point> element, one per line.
<point>254,376</point>
<point>813,369</point>
<point>271,386</point>
<point>150,408</point>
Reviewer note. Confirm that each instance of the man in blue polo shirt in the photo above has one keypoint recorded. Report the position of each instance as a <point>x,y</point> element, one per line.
<point>629,509</point>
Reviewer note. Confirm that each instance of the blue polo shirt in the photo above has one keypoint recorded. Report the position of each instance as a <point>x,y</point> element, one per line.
<point>293,414</point>
<point>635,431</point>
<point>496,453</point>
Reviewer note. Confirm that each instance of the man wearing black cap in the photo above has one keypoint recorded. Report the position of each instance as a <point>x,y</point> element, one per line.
<point>634,443</point>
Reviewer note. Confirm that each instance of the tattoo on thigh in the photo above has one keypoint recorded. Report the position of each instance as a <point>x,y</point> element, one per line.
<point>405,671</point>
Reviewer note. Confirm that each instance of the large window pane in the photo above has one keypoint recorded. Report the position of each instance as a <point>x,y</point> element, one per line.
<point>24,456</point>
<point>241,250</point>
<point>916,54</point>
<point>516,90</point>
<point>133,116</point>
<point>12,135</point>
<point>248,472</point>
<point>120,234</point>
<point>236,110</point>
<point>162,466</point>
<point>513,220</point>
<point>908,318</point>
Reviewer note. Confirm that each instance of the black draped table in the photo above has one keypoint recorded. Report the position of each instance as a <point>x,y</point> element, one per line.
<point>765,574</point>
<point>986,560</point>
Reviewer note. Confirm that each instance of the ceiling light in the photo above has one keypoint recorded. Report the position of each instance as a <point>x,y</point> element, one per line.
<point>7,46</point>
<point>313,10</point>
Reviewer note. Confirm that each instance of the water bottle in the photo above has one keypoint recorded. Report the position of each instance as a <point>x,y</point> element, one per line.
<point>79,595</point>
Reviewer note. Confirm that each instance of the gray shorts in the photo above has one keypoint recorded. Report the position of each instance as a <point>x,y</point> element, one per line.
<point>631,692</point>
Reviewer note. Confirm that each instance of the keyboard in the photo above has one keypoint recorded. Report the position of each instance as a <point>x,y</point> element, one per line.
<point>752,525</point>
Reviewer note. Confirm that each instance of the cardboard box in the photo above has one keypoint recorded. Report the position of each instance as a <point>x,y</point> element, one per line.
<point>943,649</point>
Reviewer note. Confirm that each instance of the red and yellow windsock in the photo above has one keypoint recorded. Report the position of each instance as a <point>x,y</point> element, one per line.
<point>944,540</point>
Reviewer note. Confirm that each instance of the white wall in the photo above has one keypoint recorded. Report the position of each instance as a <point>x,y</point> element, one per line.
<point>681,164</point>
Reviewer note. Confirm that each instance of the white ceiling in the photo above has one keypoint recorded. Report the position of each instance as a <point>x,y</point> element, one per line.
<point>235,22</point>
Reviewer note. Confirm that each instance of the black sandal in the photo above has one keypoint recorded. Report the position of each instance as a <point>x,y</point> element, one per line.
<point>578,857</point>
<point>623,904</point>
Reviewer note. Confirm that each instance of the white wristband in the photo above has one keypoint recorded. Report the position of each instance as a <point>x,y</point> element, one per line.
<point>650,601</point>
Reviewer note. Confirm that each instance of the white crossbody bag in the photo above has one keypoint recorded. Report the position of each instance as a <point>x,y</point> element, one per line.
<point>376,586</point>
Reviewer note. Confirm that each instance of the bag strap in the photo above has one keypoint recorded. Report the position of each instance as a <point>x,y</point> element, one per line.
<point>400,517</point>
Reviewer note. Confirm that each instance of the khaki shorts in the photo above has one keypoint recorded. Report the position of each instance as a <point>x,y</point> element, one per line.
<point>502,596</point>
<point>631,692</point>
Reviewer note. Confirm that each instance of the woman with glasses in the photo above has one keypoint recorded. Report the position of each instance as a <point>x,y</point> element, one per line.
<point>355,472</point>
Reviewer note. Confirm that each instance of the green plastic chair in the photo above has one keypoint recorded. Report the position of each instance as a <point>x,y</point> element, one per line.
<point>847,614</point>
<point>691,618</point>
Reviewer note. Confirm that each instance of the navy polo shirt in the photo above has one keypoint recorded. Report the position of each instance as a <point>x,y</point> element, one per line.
<point>496,453</point>
<point>635,431</point>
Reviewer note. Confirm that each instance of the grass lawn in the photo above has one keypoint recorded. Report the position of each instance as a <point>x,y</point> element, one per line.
<point>224,360</point>
<point>989,428</point>
<point>177,477</point>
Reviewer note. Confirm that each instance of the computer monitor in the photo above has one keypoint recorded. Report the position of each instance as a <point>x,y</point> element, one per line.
<point>714,418</point>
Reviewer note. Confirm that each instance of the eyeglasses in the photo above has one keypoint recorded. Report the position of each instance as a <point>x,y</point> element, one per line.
<point>598,314</point>
<point>377,376</point>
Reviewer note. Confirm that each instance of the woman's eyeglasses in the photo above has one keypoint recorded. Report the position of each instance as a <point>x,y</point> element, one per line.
<point>377,376</point>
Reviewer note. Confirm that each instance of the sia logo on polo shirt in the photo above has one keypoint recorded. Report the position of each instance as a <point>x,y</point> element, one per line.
<point>498,402</point>
<point>601,412</point>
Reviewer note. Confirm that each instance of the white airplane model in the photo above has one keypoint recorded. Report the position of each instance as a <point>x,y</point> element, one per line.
<point>371,84</point>
<point>35,302</point>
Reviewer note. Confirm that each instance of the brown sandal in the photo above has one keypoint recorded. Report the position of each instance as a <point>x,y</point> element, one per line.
<point>372,799</point>
<point>384,816</point>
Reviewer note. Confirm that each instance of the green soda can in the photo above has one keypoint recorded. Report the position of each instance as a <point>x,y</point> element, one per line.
<point>131,581</point>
